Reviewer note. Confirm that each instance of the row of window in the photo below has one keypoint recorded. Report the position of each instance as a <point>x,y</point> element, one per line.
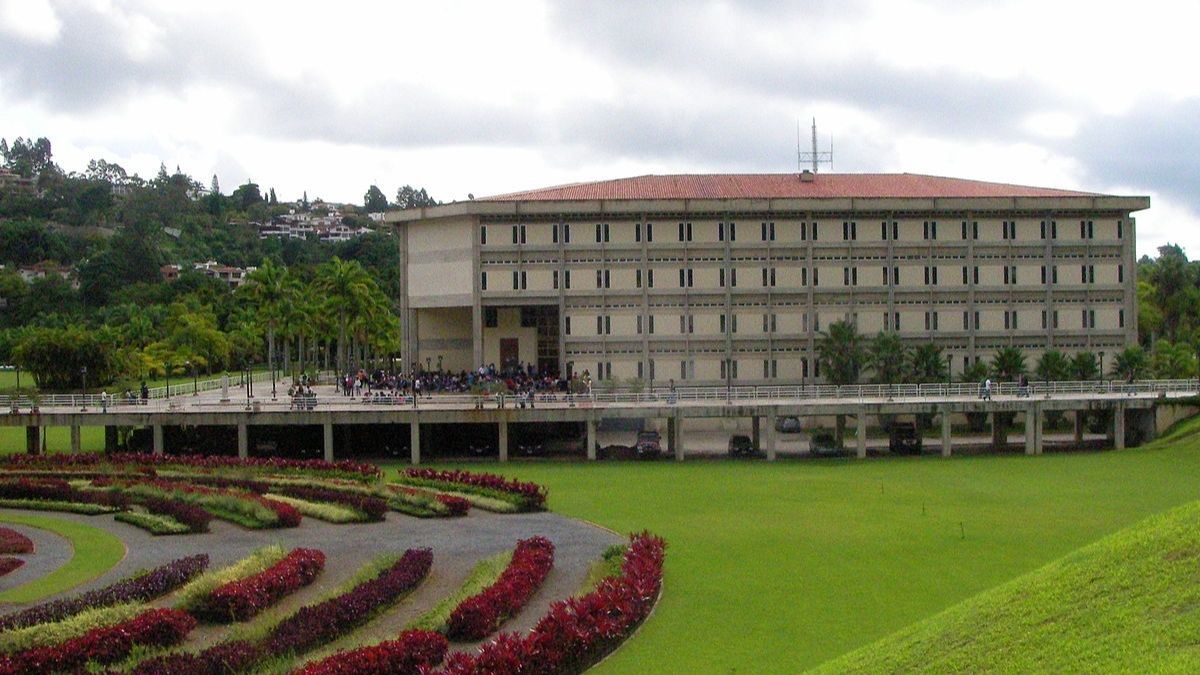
<point>687,369</point>
<point>727,231</point>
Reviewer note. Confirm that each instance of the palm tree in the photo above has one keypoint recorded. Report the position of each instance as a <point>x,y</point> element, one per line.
<point>887,355</point>
<point>975,373</point>
<point>268,291</point>
<point>1084,366</point>
<point>1009,364</point>
<point>841,356</point>
<point>350,295</point>
<point>1173,361</point>
<point>1131,363</point>
<point>927,364</point>
<point>1054,366</point>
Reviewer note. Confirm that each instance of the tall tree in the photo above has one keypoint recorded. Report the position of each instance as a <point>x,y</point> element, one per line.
<point>409,197</point>
<point>375,201</point>
<point>1131,363</point>
<point>1084,366</point>
<point>348,291</point>
<point>842,355</point>
<point>267,290</point>
<point>1053,366</point>
<point>1009,364</point>
<point>887,356</point>
<point>927,364</point>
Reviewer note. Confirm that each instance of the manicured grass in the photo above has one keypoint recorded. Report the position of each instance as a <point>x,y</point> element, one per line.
<point>96,552</point>
<point>777,568</point>
<point>58,439</point>
<point>1124,604</point>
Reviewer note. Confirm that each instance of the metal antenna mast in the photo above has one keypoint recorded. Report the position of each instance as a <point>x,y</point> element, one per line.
<point>816,157</point>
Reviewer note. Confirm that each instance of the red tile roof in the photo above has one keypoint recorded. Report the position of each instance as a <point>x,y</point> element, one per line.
<point>781,186</point>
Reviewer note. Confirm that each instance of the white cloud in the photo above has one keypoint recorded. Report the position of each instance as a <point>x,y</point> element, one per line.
<point>31,20</point>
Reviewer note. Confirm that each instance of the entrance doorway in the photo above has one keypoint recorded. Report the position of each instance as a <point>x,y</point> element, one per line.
<point>510,354</point>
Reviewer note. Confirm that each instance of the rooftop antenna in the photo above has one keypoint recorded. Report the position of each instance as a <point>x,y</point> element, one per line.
<point>816,157</point>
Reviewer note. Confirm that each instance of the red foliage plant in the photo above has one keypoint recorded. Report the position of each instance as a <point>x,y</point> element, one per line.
<point>239,600</point>
<point>8,564</point>
<point>12,541</point>
<point>105,645</point>
<point>413,653</point>
<point>532,494</point>
<point>480,615</point>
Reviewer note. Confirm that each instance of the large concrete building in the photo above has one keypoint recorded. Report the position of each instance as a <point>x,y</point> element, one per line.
<point>702,277</point>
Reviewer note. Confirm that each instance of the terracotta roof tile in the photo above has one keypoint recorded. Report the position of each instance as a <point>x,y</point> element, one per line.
<point>781,186</point>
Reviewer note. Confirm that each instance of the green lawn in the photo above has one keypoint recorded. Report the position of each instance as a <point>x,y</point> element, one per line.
<point>95,552</point>
<point>777,568</point>
<point>58,439</point>
<point>1127,603</point>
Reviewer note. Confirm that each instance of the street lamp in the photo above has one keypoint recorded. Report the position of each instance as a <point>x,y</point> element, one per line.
<point>728,380</point>
<point>168,374</point>
<point>949,370</point>
<point>1101,366</point>
<point>195,382</point>
<point>272,379</point>
<point>83,375</point>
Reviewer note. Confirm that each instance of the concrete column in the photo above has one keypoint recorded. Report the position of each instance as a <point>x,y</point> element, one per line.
<point>243,440</point>
<point>76,439</point>
<point>1119,427</point>
<point>157,433</point>
<point>678,448</point>
<point>862,434</point>
<point>503,442</point>
<point>671,433</point>
<point>1041,429</point>
<point>33,440</point>
<point>111,439</point>
<point>755,436</point>
<point>1032,413</point>
<point>414,441</point>
<point>771,437</point>
<point>946,433</point>
<point>328,427</point>
<point>591,438</point>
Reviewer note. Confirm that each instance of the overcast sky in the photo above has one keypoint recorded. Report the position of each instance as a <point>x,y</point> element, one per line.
<point>490,97</point>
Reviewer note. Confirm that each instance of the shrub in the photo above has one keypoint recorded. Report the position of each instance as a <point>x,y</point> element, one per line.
<point>239,600</point>
<point>344,468</point>
<point>46,634</point>
<point>12,541</point>
<point>153,628</point>
<point>455,506</point>
<point>480,615</point>
<point>412,653</point>
<point>373,507</point>
<point>322,622</point>
<point>194,518</point>
<point>8,564</point>
<point>57,490</point>
<point>226,658</point>
<point>137,588</point>
<point>577,632</point>
<point>530,495</point>
<point>154,524</point>
<point>194,594</point>
<point>63,507</point>
<point>330,513</point>
<point>426,504</point>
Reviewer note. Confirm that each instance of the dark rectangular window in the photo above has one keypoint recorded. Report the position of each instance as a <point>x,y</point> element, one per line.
<point>1120,274</point>
<point>528,317</point>
<point>650,238</point>
<point>1120,229</point>
<point>566,278</point>
<point>483,281</point>
<point>566,233</point>
<point>483,235</point>
<point>637,236</point>
<point>554,277</point>
<point>491,317</point>
<point>638,276</point>
<point>515,236</point>
<point>567,325</point>
<point>554,233</point>
<point>649,278</point>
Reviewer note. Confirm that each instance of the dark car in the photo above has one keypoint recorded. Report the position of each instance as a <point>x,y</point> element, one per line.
<point>531,448</point>
<point>649,444</point>
<point>787,425</point>
<point>904,439</point>
<point>740,445</point>
<point>823,443</point>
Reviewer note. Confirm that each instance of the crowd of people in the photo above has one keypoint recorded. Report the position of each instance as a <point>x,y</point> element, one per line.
<point>522,382</point>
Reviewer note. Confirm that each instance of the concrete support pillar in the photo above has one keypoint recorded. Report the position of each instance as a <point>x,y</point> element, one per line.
<point>33,440</point>
<point>1041,429</point>
<point>861,434</point>
<point>1032,413</point>
<point>111,439</point>
<point>1119,427</point>
<point>243,432</point>
<point>678,447</point>
<point>946,433</point>
<point>591,438</point>
<point>76,439</point>
<point>414,442</point>
<point>157,434</point>
<point>771,436</point>
<point>754,433</point>
<point>503,440</point>
<point>999,433</point>
<point>328,428</point>
<point>671,433</point>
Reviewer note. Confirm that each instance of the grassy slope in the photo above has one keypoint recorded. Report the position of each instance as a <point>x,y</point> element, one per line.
<point>779,568</point>
<point>96,552</point>
<point>1128,603</point>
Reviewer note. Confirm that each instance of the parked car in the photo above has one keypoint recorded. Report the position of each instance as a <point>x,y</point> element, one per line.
<point>649,444</point>
<point>823,443</point>
<point>480,448</point>
<point>904,439</point>
<point>787,425</point>
<point>531,448</point>
<point>740,445</point>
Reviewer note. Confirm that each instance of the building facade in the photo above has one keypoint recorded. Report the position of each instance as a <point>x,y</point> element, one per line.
<point>710,278</point>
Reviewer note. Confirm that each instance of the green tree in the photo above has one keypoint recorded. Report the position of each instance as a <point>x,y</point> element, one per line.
<point>1085,366</point>
<point>927,364</point>
<point>1131,363</point>
<point>350,296</point>
<point>1173,361</point>
<point>1008,364</point>
<point>842,355</point>
<point>57,356</point>
<point>1053,366</point>
<point>375,201</point>
<point>268,291</point>
<point>409,197</point>
<point>887,357</point>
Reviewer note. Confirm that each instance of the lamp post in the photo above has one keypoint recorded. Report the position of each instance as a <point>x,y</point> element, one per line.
<point>272,380</point>
<point>1101,366</point>
<point>195,382</point>
<point>949,371</point>
<point>728,380</point>
<point>168,375</point>
<point>83,376</point>
<point>18,380</point>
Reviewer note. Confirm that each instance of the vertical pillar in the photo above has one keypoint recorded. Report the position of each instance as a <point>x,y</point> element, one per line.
<point>33,439</point>
<point>862,434</point>
<point>771,436</point>
<point>157,434</point>
<point>999,434</point>
<point>243,440</point>
<point>591,437</point>
<point>414,441</point>
<point>111,439</point>
<point>946,445</point>
<point>328,428</point>
<point>1119,427</point>
<point>678,447</point>
<point>1031,442</point>
<point>755,436</point>
<point>76,439</point>
<point>503,442</point>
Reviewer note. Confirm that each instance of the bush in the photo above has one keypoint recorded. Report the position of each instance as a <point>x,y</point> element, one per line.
<point>480,615</point>
<point>530,496</point>
<point>44,635</point>
<point>156,525</point>
<point>241,599</point>
<point>153,628</point>
<point>63,507</point>
<point>194,594</point>
<point>330,513</point>
<point>343,469</point>
<point>8,564</point>
<point>57,490</point>
<point>412,653</point>
<point>226,658</point>
<point>373,507</point>
<point>426,504</point>
<point>12,541</point>
<point>137,588</point>
<point>194,518</point>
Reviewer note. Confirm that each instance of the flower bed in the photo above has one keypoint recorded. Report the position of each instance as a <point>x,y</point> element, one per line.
<point>239,600</point>
<point>426,503</point>
<point>58,490</point>
<point>52,505</point>
<point>480,615</point>
<point>238,656</point>
<point>239,506</point>
<point>154,524</point>
<point>153,628</point>
<point>412,653</point>
<point>317,624</point>
<point>530,496</point>
<point>138,588</point>
<point>373,508</point>
<point>12,541</point>
<point>343,468</point>
<point>578,632</point>
<point>195,518</point>
<point>8,564</point>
